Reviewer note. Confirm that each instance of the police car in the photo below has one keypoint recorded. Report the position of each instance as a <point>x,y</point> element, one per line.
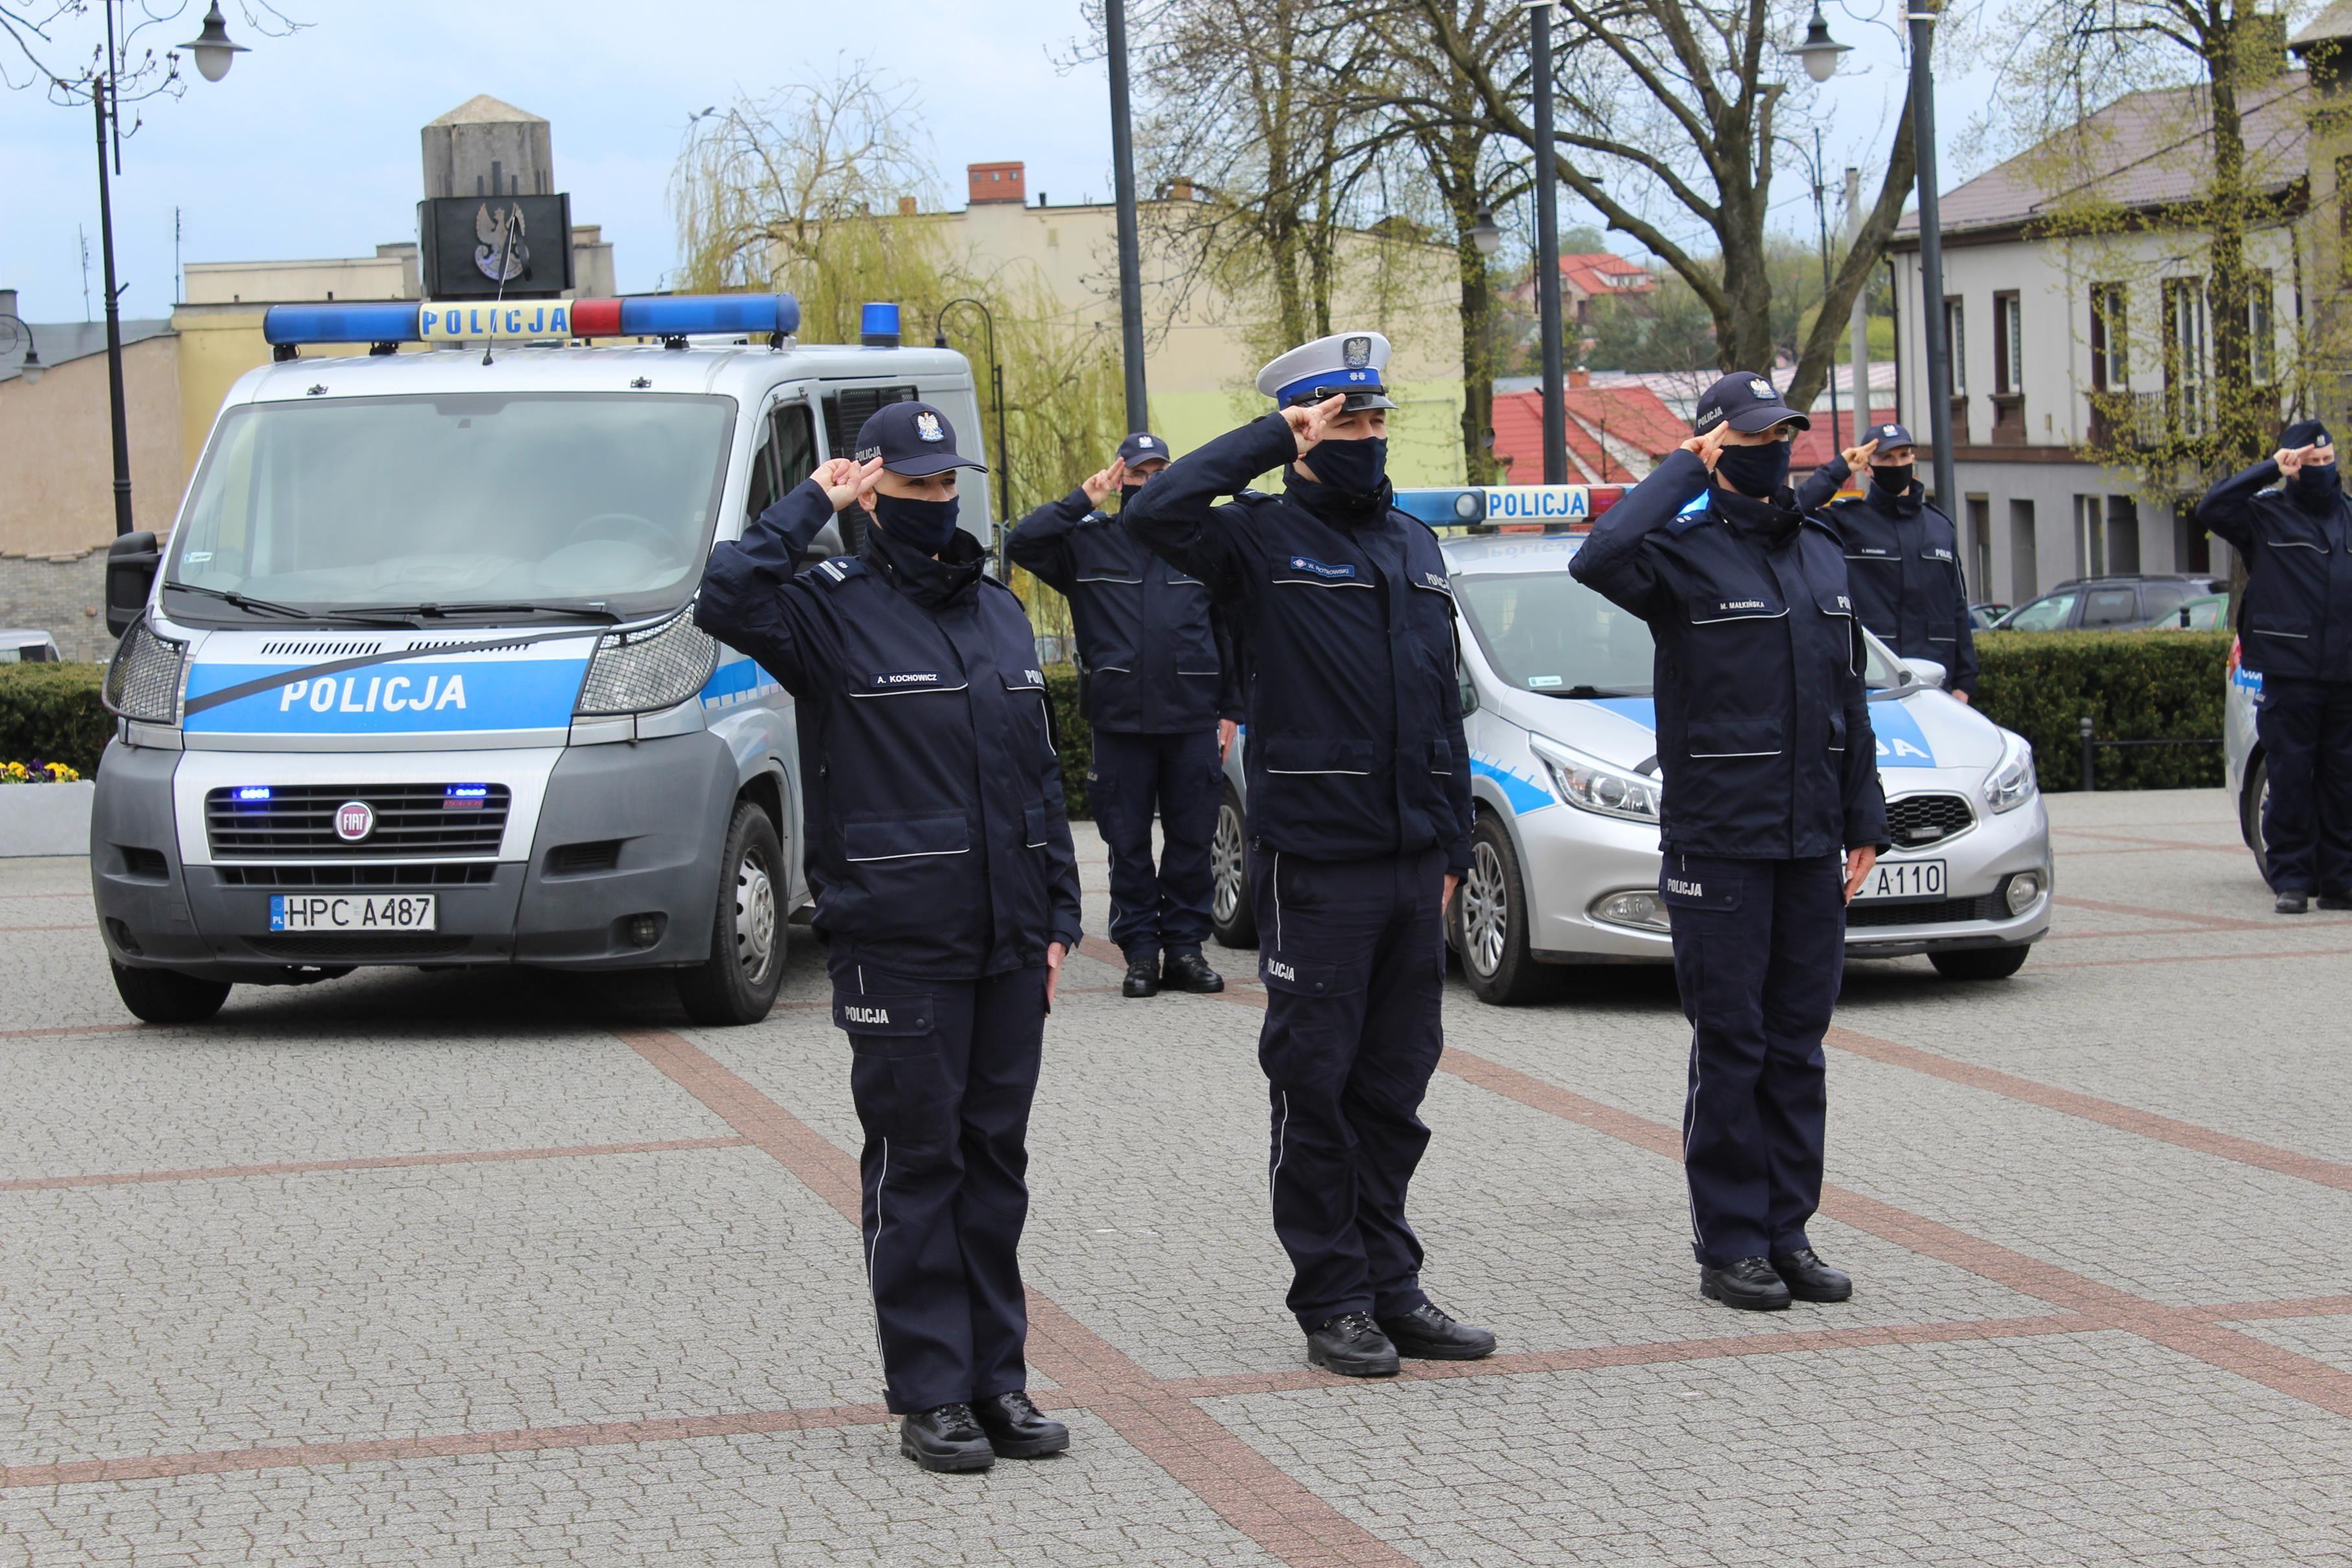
<point>2247,772</point>
<point>414,680</point>
<point>1556,695</point>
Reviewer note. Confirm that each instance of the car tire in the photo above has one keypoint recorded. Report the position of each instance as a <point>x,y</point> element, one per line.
<point>1490,920</point>
<point>1980,963</point>
<point>166,996</point>
<point>1231,915</point>
<point>2250,814</point>
<point>748,936</point>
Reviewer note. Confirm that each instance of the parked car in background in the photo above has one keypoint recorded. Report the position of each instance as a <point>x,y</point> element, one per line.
<point>1984,617</point>
<point>2206,612</point>
<point>2108,604</point>
<point>22,646</point>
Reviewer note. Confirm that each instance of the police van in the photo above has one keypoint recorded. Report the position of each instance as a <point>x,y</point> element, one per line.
<point>415,680</point>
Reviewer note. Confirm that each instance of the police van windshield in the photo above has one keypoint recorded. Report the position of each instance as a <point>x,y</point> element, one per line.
<point>1545,632</point>
<point>504,499</point>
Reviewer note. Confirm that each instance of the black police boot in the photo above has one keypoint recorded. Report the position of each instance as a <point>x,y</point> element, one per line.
<point>1017,1430</point>
<point>1352,1345</point>
<point>1427,1334</point>
<point>1811,1279</point>
<point>1189,972</point>
<point>2335,901</point>
<point>1142,975</point>
<point>947,1438</point>
<point>2295,901</point>
<point>1748,1284</point>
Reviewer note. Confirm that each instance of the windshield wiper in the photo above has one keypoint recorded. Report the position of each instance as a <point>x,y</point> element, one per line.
<point>1593,692</point>
<point>252,606</point>
<point>443,612</point>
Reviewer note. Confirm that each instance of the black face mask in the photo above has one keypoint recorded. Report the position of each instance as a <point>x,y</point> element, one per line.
<point>1755,470</point>
<point>1354,468</point>
<point>1126,494</point>
<point>2318,485</point>
<point>1894,478</point>
<point>926,525</point>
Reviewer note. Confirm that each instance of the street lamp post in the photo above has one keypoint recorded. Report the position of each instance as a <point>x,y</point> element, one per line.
<point>1131,262</point>
<point>1554,394</point>
<point>1822,218</point>
<point>996,381</point>
<point>214,53</point>
<point>1931,256</point>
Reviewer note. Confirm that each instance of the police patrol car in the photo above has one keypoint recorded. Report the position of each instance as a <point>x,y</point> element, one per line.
<point>1556,695</point>
<point>414,682</point>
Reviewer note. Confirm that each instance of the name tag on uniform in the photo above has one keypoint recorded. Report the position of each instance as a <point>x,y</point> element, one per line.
<point>1320,568</point>
<point>906,678</point>
<point>1939,554</point>
<point>1436,579</point>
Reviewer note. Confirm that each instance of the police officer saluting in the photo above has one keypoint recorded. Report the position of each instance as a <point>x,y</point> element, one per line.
<point>1161,697</point>
<point>2295,627</point>
<point>1902,555</point>
<point>1360,820</point>
<point>946,886</point>
<point>1771,775</point>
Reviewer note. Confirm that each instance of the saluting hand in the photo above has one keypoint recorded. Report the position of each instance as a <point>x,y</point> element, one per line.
<point>1857,867</point>
<point>1708,447</point>
<point>1105,484</point>
<point>1309,424</point>
<point>1857,458</point>
<point>2291,459</point>
<point>845,481</point>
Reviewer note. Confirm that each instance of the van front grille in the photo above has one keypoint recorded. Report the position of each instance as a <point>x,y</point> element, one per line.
<point>297,821</point>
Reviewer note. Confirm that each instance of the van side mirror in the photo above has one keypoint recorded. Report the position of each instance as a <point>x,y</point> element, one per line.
<point>130,565</point>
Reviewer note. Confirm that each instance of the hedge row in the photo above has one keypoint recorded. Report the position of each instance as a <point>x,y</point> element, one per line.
<point>52,712</point>
<point>2135,685</point>
<point>1077,735</point>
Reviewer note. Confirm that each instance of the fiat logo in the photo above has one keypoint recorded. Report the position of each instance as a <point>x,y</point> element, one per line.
<point>354,819</point>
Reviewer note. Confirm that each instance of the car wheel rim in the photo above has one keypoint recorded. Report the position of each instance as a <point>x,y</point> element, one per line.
<point>755,918</point>
<point>1486,911</point>
<point>1226,861</point>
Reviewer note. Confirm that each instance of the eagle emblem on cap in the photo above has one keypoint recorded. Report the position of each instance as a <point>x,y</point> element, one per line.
<point>1356,352</point>
<point>1888,429</point>
<point>1761,388</point>
<point>1144,442</point>
<point>927,425</point>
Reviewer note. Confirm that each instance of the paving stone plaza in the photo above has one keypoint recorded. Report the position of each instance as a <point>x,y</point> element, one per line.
<point>506,1269</point>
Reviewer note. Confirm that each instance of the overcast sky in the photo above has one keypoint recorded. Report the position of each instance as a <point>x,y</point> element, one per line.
<point>309,148</point>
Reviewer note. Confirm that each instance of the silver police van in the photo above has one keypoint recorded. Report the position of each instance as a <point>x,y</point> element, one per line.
<point>1556,705</point>
<point>414,679</point>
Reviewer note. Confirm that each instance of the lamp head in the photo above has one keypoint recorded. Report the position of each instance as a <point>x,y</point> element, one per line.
<point>1484,234</point>
<point>1820,51</point>
<point>214,50</point>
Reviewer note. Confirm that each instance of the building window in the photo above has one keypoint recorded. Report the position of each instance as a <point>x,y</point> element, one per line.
<point>1979,547</point>
<point>2262,329</point>
<point>2110,336</point>
<point>2090,538</point>
<point>2187,354</point>
<point>2024,577</point>
<point>2008,345</point>
<point>1956,355</point>
<point>2123,535</point>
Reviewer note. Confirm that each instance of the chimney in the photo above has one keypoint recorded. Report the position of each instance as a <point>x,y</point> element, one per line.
<point>1579,376</point>
<point>906,206</point>
<point>998,182</point>
<point>8,302</point>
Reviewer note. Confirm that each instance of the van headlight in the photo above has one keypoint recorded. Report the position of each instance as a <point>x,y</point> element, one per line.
<point>2011,783</point>
<point>1591,785</point>
<point>142,679</point>
<point>649,669</point>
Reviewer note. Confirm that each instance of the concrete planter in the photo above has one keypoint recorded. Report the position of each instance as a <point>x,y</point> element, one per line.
<point>45,819</point>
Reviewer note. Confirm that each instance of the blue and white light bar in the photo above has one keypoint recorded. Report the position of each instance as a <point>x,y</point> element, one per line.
<point>1510,508</point>
<point>459,321</point>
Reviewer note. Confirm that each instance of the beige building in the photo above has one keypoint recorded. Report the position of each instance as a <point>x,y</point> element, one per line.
<point>1202,347</point>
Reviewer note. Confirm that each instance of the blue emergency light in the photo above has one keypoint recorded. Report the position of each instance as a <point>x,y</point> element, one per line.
<point>253,792</point>
<point>878,325</point>
<point>456,321</point>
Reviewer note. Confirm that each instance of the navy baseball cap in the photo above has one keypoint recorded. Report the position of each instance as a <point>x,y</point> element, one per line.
<point>2304,433</point>
<point>913,439</point>
<point>1892,436</point>
<point>1748,402</point>
<point>1142,447</point>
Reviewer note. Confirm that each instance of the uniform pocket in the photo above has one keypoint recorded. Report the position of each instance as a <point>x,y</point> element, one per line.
<point>900,1016</point>
<point>1034,825</point>
<point>905,838</point>
<point>1305,755</point>
<point>1305,977</point>
<point>1687,883</point>
<point>1763,737</point>
<point>895,1075</point>
<point>1837,730</point>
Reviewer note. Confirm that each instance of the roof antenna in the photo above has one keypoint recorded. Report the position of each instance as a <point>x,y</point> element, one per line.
<point>506,260</point>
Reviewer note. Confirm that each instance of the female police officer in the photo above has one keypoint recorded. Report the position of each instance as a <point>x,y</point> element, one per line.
<point>1772,771</point>
<point>946,882</point>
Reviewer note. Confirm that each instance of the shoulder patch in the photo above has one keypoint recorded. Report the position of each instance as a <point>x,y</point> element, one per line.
<point>833,573</point>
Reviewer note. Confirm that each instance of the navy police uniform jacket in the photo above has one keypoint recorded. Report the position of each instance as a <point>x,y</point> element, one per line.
<point>1902,566</point>
<point>1152,644</point>
<point>2297,622</point>
<point>1355,748</point>
<point>1764,734</point>
<point>936,839</point>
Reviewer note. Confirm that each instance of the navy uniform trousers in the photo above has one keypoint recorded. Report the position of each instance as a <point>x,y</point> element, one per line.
<point>1759,951</point>
<point>1352,954</point>
<point>943,1072</point>
<point>2305,728</point>
<point>1178,776</point>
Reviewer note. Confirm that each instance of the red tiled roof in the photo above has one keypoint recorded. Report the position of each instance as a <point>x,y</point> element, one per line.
<point>1816,447</point>
<point>1594,273</point>
<point>1630,416</point>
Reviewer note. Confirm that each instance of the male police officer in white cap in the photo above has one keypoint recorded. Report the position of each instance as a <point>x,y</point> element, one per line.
<point>1360,821</point>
